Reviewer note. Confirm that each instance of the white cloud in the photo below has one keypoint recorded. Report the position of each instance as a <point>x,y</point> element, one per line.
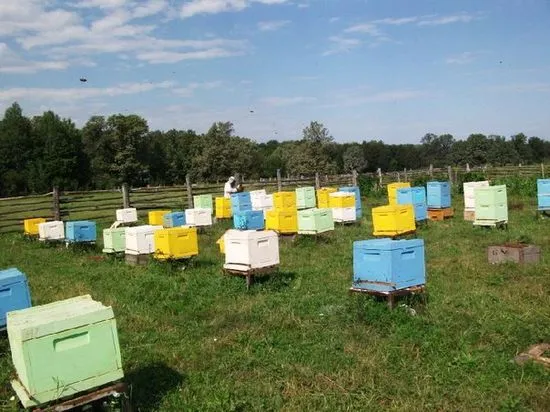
<point>333,19</point>
<point>442,20</point>
<point>286,101</point>
<point>11,62</point>
<point>272,25</point>
<point>189,90</point>
<point>523,88</point>
<point>367,28</point>
<point>150,8</point>
<point>361,97</point>
<point>341,45</point>
<point>194,7</point>
<point>104,4</point>
<point>462,58</point>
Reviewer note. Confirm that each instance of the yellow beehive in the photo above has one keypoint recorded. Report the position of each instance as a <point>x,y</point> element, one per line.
<point>323,197</point>
<point>221,243</point>
<point>282,221</point>
<point>284,201</point>
<point>223,208</point>
<point>156,217</point>
<point>341,200</point>
<point>31,225</point>
<point>393,220</point>
<point>176,243</point>
<point>392,191</point>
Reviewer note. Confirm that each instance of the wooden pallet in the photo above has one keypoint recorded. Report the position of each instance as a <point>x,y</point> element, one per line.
<point>392,295</point>
<point>501,224</point>
<point>250,274</point>
<point>137,260</point>
<point>440,214</point>
<point>287,236</point>
<point>398,235</point>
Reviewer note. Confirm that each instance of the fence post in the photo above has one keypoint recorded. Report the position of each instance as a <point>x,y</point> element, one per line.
<point>189,191</point>
<point>405,173</point>
<point>431,171</point>
<point>456,174</point>
<point>450,173</point>
<point>398,177</point>
<point>542,169</point>
<point>56,204</point>
<point>467,167</point>
<point>125,196</point>
<point>237,178</point>
<point>317,181</point>
<point>379,173</point>
<point>279,184</point>
<point>354,177</point>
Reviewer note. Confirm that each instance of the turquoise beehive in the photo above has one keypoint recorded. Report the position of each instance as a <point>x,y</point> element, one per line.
<point>439,195</point>
<point>14,293</point>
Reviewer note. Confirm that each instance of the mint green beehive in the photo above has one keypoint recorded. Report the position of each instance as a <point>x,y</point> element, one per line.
<point>315,221</point>
<point>305,197</point>
<point>491,205</point>
<point>114,240</point>
<point>203,202</point>
<point>63,348</point>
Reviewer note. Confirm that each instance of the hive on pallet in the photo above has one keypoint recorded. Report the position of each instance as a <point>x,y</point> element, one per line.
<point>81,231</point>
<point>388,265</point>
<point>156,217</point>
<point>114,239</point>
<point>415,196</point>
<point>315,221</point>
<point>173,219</point>
<point>469,198</point>
<point>240,202</point>
<point>14,293</point>
<point>440,214</point>
<point>54,230</point>
<point>393,220</point>
<point>198,217</point>
<point>249,220</point>
<point>223,208</point>
<point>305,197</point>
<point>284,201</point>
<point>140,240</point>
<point>392,191</point>
<point>127,215</point>
<point>176,243</point>
<point>250,249</point>
<point>439,195</point>
<point>491,206</point>
<point>282,221</point>
<point>63,348</point>
<point>543,194</point>
<point>357,193</point>
<point>203,202</point>
<point>323,196</point>
<point>30,226</point>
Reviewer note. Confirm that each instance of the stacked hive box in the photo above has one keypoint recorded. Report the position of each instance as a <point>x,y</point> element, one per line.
<point>387,265</point>
<point>203,202</point>
<point>14,293</point>
<point>82,231</point>
<point>241,202</point>
<point>156,217</point>
<point>491,206</point>
<point>173,219</point>
<point>261,201</point>
<point>357,193</point>
<point>343,206</point>
<point>393,220</point>
<point>415,196</point>
<point>250,249</point>
<point>63,348</point>
<point>305,198</point>
<point>114,239</point>
<point>51,230</point>
<point>469,198</point>
<point>283,218</point>
<point>30,226</point>
<point>198,217</point>
<point>249,220</point>
<point>543,194</point>
<point>223,208</point>
<point>127,215</point>
<point>439,195</point>
<point>176,243</point>
<point>315,221</point>
<point>323,197</point>
<point>392,191</point>
<point>140,240</point>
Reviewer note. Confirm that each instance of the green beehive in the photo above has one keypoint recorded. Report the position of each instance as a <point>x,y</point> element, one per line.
<point>114,240</point>
<point>491,205</point>
<point>305,197</point>
<point>203,202</point>
<point>63,348</point>
<point>315,221</point>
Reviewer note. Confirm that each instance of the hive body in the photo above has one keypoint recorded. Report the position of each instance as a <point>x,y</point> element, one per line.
<point>80,231</point>
<point>203,202</point>
<point>315,221</point>
<point>305,197</point>
<point>14,293</point>
<point>198,217</point>
<point>439,195</point>
<point>240,202</point>
<point>491,205</point>
<point>249,220</point>
<point>392,191</point>
<point>128,215</point>
<point>114,240</point>
<point>156,217</point>
<point>30,226</point>
<point>323,196</point>
<point>282,221</point>
<point>176,243</point>
<point>284,201</point>
<point>543,194</point>
<point>250,249</point>
<point>51,230</point>
<point>223,208</point>
<point>140,240</point>
<point>173,219</point>
<point>393,220</point>
<point>469,193</point>
<point>357,193</point>
<point>415,196</point>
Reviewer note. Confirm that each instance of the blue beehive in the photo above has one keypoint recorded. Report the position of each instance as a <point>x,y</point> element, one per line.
<point>439,195</point>
<point>80,231</point>
<point>14,293</point>
<point>173,219</point>
<point>543,194</point>
<point>386,265</point>
<point>358,207</point>
<point>415,196</point>
<point>241,202</point>
<point>249,220</point>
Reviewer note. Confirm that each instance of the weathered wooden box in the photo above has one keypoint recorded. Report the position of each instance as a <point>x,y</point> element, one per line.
<point>513,252</point>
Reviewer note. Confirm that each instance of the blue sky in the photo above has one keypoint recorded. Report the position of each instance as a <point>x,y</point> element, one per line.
<point>377,69</point>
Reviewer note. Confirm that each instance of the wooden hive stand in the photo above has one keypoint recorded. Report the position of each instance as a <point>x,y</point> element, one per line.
<point>391,296</point>
<point>250,274</point>
<point>396,236</point>
<point>137,260</point>
<point>440,214</point>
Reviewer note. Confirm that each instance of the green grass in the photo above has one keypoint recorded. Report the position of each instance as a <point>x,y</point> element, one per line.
<point>196,340</point>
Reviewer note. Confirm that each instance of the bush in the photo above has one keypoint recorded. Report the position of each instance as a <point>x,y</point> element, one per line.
<point>368,186</point>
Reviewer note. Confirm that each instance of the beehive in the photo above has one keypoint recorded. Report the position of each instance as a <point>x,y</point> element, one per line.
<point>438,195</point>
<point>80,231</point>
<point>173,219</point>
<point>387,265</point>
<point>249,220</point>
<point>491,205</point>
<point>114,240</point>
<point>415,196</point>
<point>221,243</point>
<point>543,194</point>
<point>31,225</point>
<point>240,202</point>
<point>469,193</point>
<point>282,221</point>
<point>323,197</point>
<point>284,201</point>
<point>51,230</point>
<point>14,293</point>
<point>127,215</point>
<point>198,217</point>
<point>140,240</point>
<point>256,198</point>
<point>250,249</point>
<point>393,220</point>
<point>315,221</point>
<point>341,200</point>
<point>176,243</point>
<point>63,348</point>
<point>355,190</point>
<point>156,217</point>
<point>344,214</point>
<point>392,191</point>
<point>223,208</point>
<point>203,202</point>
<point>305,197</point>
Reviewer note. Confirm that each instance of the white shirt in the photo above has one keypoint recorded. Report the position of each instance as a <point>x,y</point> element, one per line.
<point>227,189</point>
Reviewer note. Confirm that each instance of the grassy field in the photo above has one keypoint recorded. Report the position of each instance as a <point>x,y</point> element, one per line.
<point>196,340</point>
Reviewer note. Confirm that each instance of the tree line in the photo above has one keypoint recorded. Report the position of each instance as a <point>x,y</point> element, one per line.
<point>44,151</point>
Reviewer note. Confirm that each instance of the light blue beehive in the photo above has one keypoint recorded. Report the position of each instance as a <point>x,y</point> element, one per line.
<point>386,265</point>
<point>439,195</point>
<point>415,196</point>
<point>173,219</point>
<point>14,293</point>
<point>543,194</point>
<point>80,231</point>
<point>240,202</point>
<point>355,190</point>
<point>249,220</point>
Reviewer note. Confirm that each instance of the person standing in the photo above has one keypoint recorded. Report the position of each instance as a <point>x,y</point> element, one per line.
<point>229,187</point>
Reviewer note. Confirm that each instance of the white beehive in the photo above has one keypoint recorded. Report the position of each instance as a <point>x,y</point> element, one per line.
<point>344,214</point>
<point>250,249</point>
<point>128,215</point>
<point>51,230</point>
<point>256,198</point>
<point>469,193</point>
<point>140,240</point>
<point>198,217</point>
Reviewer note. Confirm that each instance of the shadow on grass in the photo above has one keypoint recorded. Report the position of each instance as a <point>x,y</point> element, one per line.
<point>150,384</point>
<point>276,281</point>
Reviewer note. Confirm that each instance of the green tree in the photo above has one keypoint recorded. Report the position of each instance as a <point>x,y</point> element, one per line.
<point>99,149</point>
<point>354,159</point>
<point>311,155</point>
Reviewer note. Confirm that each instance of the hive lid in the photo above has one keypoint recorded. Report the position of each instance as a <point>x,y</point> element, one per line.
<point>390,208</point>
<point>11,275</point>
<point>127,209</point>
<point>143,229</point>
<point>340,194</point>
<point>388,244</point>
<point>233,234</point>
<point>38,321</point>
